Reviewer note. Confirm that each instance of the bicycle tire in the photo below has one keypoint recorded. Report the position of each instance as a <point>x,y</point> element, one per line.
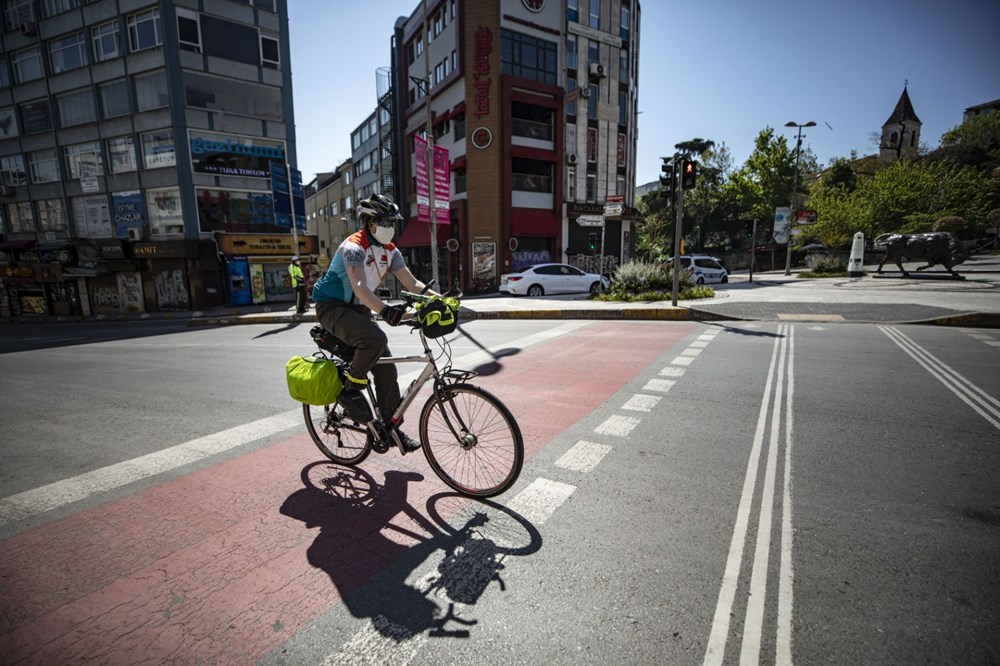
<point>337,436</point>
<point>489,461</point>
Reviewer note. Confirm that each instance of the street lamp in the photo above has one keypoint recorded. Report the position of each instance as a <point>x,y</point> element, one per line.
<point>795,190</point>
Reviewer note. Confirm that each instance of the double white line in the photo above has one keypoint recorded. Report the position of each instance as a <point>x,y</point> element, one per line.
<point>986,405</point>
<point>780,382</point>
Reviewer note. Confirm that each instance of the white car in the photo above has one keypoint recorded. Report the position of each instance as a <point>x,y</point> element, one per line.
<point>543,279</point>
<point>704,269</point>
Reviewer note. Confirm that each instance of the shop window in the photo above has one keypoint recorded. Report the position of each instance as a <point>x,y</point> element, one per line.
<point>91,217</point>
<point>158,149</point>
<point>44,166</point>
<point>144,30</point>
<point>115,99</point>
<point>84,160</point>
<point>21,219</point>
<point>12,170</point>
<point>121,154</point>
<point>27,64</point>
<point>151,91</point>
<point>51,215</point>
<point>163,207</point>
<point>69,52</point>
<point>76,108</point>
<point>106,41</point>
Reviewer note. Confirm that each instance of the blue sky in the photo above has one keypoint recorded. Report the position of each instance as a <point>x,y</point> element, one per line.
<point>740,65</point>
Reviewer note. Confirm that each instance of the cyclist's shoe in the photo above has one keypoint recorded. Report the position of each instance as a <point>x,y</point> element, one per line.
<point>409,445</point>
<point>353,400</point>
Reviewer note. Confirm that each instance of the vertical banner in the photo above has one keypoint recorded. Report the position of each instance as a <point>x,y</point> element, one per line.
<point>782,220</point>
<point>280,194</point>
<point>423,184</point>
<point>442,185</point>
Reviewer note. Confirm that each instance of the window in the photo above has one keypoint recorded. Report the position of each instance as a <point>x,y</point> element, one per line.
<point>529,175</point>
<point>84,160</point>
<point>115,99</point>
<point>527,57</point>
<point>269,55</point>
<point>144,31</point>
<point>593,52</point>
<point>591,144</point>
<point>121,154</point>
<point>624,32</point>
<point>106,41</point>
<point>623,66</point>
<point>571,183</point>
<point>53,7</point>
<point>68,53</point>
<point>36,116</point>
<point>158,149</point>
<point>573,10</point>
<point>151,91</point>
<point>460,126</point>
<point>595,14</point>
<point>356,140</point>
<point>8,123</point>
<point>592,102</point>
<point>188,30</point>
<point>571,51</point>
<point>16,13</point>
<point>92,217</point>
<point>232,96</point>
<point>76,108</point>
<point>51,215</point>
<point>571,104</point>
<point>4,73</point>
<point>44,166</point>
<point>622,107</point>
<point>620,185</point>
<point>592,187</point>
<point>164,208</point>
<point>12,170</point>
<point>21,219</point>
<point>27,65</point>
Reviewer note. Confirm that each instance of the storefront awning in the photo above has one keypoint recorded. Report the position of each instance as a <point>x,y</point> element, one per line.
<point>17,245</point>
<point>418,234</point>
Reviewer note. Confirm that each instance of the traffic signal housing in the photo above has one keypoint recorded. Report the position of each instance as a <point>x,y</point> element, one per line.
<point>592,242</point>
<point>667,181</point>
<point>689,174</point>
<point>748,226</point>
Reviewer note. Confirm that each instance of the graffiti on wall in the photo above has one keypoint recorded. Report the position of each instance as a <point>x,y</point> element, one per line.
<point>171,292</point>
<point>525,258</point>
<point>592,263</point>
<point>130,292</point>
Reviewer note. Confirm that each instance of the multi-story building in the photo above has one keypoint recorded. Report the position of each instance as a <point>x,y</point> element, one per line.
<point>135,153</point>
<point>330,210</point>
<point>535,102</point>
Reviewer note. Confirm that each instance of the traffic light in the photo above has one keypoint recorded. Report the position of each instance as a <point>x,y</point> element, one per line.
<point>748,225</point>
<point>689,174</point>
<point>592,242</point>
<point>667,181</point>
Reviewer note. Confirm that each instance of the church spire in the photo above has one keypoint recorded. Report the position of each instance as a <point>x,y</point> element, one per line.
<point>901,132</point>
<point>904,109</point>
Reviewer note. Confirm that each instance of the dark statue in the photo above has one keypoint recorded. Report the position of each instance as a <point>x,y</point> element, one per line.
<point>939,247</point>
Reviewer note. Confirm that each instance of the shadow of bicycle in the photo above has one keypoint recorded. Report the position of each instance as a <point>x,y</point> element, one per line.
<point>409,571</point>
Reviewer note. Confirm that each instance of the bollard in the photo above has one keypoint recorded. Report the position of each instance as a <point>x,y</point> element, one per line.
<point>856,264</point>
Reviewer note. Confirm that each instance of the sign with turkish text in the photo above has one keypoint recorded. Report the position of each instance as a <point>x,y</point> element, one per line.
<point>231,155</point>
<point>266,244</point>
<point>441,183</point>
<point>128,211</point>
<point>481,71</point>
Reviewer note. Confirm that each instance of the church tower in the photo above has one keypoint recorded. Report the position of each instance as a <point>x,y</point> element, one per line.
<point>901,132</point>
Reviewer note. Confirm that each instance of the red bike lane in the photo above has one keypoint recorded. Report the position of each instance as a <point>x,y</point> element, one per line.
<point>228,562</point>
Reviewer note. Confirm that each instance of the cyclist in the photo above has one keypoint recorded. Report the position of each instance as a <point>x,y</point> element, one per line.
<point>345,300</point>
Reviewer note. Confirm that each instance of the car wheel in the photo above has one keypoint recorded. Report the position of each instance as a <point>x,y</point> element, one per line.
<point>535,290</point>
<point>700,281</point>
<point>725,279</point>
<point>595,288</point>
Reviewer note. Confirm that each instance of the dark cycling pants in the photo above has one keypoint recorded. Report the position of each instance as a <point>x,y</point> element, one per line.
<point>354,325</point>
<point>300,299</point>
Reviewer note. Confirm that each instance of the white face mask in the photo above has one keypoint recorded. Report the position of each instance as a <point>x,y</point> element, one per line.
<point>383,235</point>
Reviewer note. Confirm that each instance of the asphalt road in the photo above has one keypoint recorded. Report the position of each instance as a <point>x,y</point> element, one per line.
<point>693,493</point>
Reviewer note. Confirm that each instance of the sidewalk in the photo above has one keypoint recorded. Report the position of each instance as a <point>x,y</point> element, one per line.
<point>932,297</point>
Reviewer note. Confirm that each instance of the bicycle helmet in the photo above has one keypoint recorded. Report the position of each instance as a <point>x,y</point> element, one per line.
<point>378,208</point>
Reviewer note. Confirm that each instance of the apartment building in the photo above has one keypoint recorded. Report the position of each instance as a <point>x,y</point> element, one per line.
<point>535,101</point>
<point>330,210</point>
<point>135,155</point>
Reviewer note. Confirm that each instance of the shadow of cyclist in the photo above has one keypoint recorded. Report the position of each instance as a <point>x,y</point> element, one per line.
<point>371,570</point>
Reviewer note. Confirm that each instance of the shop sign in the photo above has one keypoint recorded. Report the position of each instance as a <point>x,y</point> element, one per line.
<point>230,155</point>
<point>89,185</point>
<point>481,71</point>
<point>482,137</point>
<point>162,250</point>
<point>265,244</point>
<point>111,249</point>
<point>129,211</point>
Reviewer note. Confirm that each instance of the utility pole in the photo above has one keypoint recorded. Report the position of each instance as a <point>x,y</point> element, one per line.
<point>430,146</point>
<point>795,192</point>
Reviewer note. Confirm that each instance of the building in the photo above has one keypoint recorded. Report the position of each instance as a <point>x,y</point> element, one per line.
<point>137,139</point>
<point>901,132</point>
<point>535,103</point>
<point>330,210</point>
<point>981,109</point>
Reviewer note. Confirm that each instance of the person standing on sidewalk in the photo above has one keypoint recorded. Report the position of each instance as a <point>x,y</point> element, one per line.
<point>298,284</point>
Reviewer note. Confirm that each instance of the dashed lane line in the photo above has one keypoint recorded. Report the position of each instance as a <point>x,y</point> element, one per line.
<point>641,403</point>
<point>659,385</point>
<point>583,456</point>
<point>617,426</point>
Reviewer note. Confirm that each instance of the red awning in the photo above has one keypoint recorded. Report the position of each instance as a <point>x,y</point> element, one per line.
<point>458,162</point>
<point>17,245</point>
<point>418,234</point>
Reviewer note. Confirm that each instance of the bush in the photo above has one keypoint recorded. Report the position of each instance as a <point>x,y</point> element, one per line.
<point>636,277</point>
<point>831,264</point>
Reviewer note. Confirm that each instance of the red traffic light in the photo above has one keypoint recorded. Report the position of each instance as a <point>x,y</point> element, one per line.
<point>689,174</point>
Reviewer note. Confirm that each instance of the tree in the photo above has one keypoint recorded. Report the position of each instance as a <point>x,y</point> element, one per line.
<point>976,143</point>
<point>766,179</point>
<point>706,211</point>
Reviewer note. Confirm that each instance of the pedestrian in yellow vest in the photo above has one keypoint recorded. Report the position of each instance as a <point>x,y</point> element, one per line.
<point>298,284</point>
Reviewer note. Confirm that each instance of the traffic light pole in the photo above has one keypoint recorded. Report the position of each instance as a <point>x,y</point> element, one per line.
<point>677,242</point>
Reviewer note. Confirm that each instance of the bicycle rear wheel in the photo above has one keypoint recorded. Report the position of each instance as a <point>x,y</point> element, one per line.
<point>340,438</point>
<point>471,440</point>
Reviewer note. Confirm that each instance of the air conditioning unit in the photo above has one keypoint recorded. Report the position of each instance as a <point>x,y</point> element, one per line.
<point>571,158</point>
<point>584,92</point>
<point>597,70</point>
<point>6,191</point>
<point>134,234</point>
<point>29,29</point>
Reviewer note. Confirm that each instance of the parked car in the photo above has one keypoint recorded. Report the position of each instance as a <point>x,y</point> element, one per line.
<point>551,279</point>
<point>704,269</point>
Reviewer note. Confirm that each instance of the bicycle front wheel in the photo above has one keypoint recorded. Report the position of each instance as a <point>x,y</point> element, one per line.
<point>340,438</point>
<point>471,440</point>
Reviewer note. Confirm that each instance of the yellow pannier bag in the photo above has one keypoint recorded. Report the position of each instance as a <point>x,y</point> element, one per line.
<point>313,380</point>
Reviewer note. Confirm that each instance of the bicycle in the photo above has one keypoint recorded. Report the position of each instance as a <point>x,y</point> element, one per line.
<point>469,437</point>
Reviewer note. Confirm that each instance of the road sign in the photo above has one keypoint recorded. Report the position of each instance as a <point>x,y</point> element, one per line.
<point>613,210</point>
<point>614,198</point>
<point>590,221</point>
<point>805,217</point>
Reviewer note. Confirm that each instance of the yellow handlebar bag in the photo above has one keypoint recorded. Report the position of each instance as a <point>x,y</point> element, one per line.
<point>313,380</point>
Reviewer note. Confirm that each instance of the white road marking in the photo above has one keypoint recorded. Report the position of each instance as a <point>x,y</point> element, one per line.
<point>699,343</point>
<point>380,642</point>
<point>617,426</point>
<point>672,372</point>
<point>583,457</point>
<point>690,352</point>
<point>58,494</point>
<point>981,336</point>
<point>682,360</point>
<point>641,403</point>
<point>659,385</point>
<point>992,343</point>
<point>786,574</point>
<point>540,499</point>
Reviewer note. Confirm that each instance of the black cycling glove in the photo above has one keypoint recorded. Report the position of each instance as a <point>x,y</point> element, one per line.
<point>392,314</point>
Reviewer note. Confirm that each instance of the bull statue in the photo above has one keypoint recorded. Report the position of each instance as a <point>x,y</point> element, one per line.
<point>939,247</point>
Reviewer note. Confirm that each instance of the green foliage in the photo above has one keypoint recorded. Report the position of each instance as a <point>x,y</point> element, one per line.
<point>950,223</point>
<point>638,276</point>
<point>830,264</point>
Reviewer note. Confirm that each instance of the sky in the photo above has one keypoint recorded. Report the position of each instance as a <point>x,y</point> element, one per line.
<point>721,70</point>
